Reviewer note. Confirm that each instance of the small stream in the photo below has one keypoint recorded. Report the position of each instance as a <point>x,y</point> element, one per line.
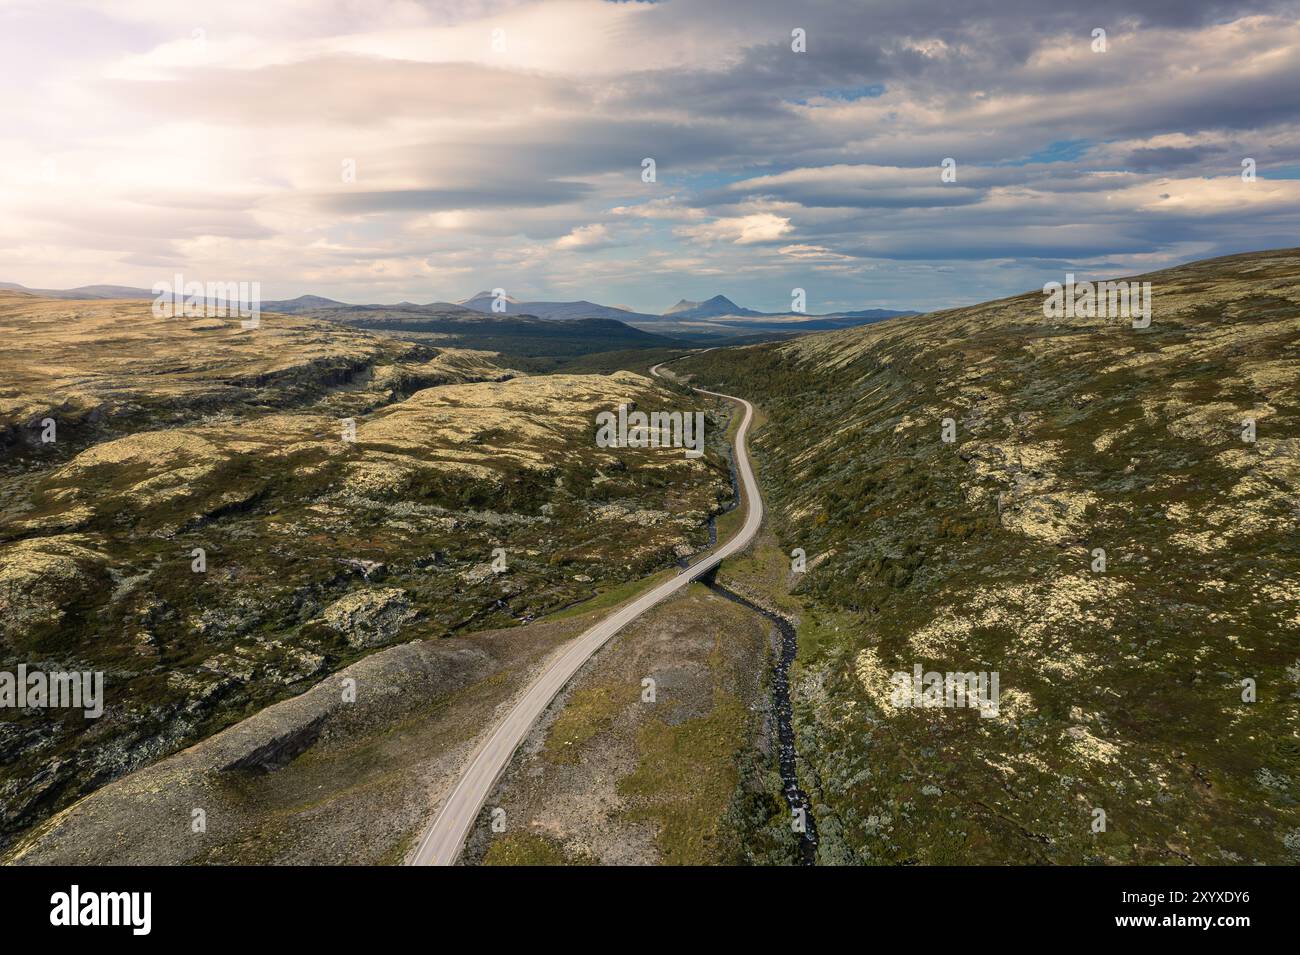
<point>795,797</point>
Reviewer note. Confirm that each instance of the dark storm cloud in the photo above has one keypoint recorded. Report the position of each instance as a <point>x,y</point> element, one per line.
<point>1167,157</point>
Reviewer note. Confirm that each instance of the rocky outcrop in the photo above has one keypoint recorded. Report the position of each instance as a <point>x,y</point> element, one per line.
<point>40,577</point>
<point>370,618</point>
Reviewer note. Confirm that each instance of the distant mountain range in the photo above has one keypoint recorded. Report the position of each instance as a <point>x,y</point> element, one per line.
<point>291,306</point>
<point>716,317</point>
<point>557,311</point>
<point>719,308</point>
<point>82,292</point>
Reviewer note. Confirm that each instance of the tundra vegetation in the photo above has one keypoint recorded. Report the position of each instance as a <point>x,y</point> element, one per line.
<point>677,772</point>
<point>1127,731</point>
<point>224,517</point>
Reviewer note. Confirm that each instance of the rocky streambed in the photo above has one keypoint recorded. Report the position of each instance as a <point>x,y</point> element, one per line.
<point>783,713</point>
<point>782,710</point>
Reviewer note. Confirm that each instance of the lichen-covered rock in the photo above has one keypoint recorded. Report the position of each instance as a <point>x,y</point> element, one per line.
<point>40,577</point>
<point>370,618</point>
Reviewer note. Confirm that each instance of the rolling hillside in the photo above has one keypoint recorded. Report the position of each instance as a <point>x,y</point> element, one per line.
<point>1126,729</point>
<point>345,491</point>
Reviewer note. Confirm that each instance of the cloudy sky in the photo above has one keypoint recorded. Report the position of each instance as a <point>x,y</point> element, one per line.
<point>500,144</point>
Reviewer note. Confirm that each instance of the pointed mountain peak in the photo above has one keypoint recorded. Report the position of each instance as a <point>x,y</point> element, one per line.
<point>718,305</point>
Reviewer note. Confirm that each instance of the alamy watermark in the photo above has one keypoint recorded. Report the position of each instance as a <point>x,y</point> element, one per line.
<point>922,689</point>
<point>75,907</point>
<point>658,429</point>
<point>181,299</point>
<point>1098,300</point>
<point>37,689</point>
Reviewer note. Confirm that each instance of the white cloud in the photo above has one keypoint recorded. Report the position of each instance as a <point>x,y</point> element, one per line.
<point>742,230</point>
<point>594,236</point>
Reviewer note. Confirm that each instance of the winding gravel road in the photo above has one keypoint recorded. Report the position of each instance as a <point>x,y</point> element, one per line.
<point>442,842</point>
